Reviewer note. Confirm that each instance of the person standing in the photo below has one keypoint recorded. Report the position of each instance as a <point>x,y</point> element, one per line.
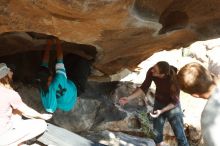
<point>166,104</point>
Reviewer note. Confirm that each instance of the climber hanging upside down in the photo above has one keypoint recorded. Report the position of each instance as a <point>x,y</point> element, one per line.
<point>56,90</point>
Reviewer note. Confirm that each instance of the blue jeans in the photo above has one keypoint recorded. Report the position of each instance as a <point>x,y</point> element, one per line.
<point>175,118</point>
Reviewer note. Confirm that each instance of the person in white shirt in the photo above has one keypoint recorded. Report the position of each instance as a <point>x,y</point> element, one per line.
<point>15,131</point>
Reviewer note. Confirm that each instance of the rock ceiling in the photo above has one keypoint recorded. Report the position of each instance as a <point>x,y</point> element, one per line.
<point>116,33</point>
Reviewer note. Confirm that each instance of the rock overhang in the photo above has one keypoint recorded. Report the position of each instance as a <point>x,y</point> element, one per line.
<point>116,34</point>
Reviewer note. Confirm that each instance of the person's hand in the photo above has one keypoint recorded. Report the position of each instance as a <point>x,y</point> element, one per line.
<point>123,100</point>
<point>46,116</point>
<point>155,114</point>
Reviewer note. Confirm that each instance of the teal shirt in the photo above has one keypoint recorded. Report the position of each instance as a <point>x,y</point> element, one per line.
<point>62,93</point>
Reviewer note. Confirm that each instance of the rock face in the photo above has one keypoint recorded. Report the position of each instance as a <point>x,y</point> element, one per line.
<point>116,34</point>
<point>119,139</point>
<point>99,111</point>
<point>94,113</point>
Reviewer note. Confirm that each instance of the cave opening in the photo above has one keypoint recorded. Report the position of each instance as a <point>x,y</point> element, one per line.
<point>22,52</point>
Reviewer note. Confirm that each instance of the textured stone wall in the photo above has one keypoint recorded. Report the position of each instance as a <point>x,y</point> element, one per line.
<point>123,32</point>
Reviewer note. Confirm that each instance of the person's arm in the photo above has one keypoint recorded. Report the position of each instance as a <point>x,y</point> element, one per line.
<point>168,107</point>
<point>31,113</point>
<point>60,68</point>
<point>139,91</point>
<point>157,113</point>
<point>59,50</point>
<point>18,105</point>
<point>124,100</point>
<point>46,54</point>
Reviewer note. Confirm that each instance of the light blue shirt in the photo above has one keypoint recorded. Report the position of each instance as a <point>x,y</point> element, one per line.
<point>62,93</point>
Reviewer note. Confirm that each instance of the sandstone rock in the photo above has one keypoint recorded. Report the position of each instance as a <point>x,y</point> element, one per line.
<point>116,34</point>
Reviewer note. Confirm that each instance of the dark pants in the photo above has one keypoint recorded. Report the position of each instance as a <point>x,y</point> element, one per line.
<point>175,118</point>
